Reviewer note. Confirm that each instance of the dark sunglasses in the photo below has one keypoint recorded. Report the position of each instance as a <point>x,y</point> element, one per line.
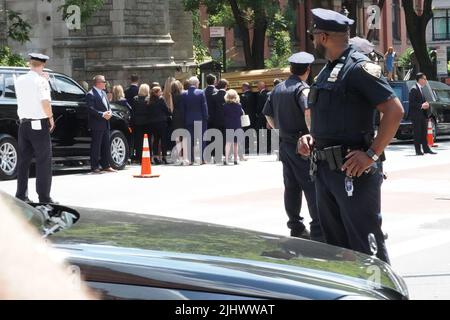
<point>312,33</point>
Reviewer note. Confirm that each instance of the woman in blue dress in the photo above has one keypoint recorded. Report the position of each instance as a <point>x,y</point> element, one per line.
<point>232,110</point>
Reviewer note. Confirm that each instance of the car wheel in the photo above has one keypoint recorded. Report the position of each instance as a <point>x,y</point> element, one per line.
<point>8,157</point>
<point>120,151</point>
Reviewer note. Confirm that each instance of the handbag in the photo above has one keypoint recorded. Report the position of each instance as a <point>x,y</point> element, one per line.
<point>245,120</point>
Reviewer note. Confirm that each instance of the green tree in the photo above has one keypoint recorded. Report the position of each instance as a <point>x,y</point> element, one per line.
<point>249,16</point>
<point>281,42</point>
<point>7,58</point>
<point>416,26</point>
<point>201,53</point>
<point>87,8</point>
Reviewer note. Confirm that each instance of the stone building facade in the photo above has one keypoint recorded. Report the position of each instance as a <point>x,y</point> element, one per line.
<point>152,38</point>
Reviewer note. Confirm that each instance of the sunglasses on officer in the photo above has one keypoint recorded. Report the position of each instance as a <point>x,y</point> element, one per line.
<point>312,33</point>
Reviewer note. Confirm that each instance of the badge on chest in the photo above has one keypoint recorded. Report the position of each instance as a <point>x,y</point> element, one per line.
<point>335,72</point>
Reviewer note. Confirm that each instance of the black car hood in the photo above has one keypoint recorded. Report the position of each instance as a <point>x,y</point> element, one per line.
<point>203,256</point>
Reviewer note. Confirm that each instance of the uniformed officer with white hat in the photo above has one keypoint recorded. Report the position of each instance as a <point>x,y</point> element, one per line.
<point>285,110</point>
<point>36,124</point>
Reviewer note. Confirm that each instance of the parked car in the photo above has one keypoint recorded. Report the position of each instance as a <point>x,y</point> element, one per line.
<point>125,255</point>
<point>71,139</point>
<point>437,94</point>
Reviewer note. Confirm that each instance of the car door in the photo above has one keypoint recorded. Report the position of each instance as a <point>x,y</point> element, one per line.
<point>69,104</point>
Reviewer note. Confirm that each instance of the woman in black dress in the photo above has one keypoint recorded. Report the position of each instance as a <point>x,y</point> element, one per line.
<point>141,118</point>
<point>159,116</point>
<point>119,97</point>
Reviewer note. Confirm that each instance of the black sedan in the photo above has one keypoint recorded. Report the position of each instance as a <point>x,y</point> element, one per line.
<point>136,256</point>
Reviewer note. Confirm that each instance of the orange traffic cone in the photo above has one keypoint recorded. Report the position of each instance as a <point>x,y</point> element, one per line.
<point>146,164</point>
<point>430,138</point>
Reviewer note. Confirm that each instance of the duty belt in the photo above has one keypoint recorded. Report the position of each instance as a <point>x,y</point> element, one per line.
<point>29,120</point>
<point>334,155</point>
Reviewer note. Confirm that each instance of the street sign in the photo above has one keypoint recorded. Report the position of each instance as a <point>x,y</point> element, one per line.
<point>217,32</point>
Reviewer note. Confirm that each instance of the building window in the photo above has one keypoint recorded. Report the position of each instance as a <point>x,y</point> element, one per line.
<point>396,31</point>
<point>441,22</point>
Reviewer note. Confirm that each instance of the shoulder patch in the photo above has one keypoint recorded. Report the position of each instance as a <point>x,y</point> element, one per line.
<point>305,92</point>
<point>372,69</point>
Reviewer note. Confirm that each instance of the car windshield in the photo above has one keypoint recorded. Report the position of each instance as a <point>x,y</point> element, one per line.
<point>23,209</point>
<point>443,95</point>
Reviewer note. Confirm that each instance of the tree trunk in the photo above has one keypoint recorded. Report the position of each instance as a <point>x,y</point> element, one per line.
<point>245,34</point>
<point>259,40</point>
<point>416,27</point>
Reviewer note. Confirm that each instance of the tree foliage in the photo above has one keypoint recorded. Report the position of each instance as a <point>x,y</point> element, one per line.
<point>201,53</point>
<point>281,42</point>
<point>250,16</point>
<point>7,58</point>
<point>18,28</point>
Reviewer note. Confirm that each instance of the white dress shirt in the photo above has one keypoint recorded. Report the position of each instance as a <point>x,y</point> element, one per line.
<point>31,90</point>
<point>102,94</point>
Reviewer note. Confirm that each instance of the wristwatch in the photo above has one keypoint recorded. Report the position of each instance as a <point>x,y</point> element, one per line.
<point>372,155</point>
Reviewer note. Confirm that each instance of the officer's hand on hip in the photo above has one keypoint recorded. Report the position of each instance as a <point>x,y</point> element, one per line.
<point>51,124</point>
<point>356,163</point>
<point>304,145</point>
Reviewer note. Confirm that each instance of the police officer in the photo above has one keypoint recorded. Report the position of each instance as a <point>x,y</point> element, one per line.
<point>285,111</point>
<point>342,101</point>
<point>36,124</point>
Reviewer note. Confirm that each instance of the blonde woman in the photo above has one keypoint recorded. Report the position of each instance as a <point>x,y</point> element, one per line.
<point>119,97</point>
<point>141,118</point>
<point>167,94</point>
<point>178,123</point>
<point>232,111</point>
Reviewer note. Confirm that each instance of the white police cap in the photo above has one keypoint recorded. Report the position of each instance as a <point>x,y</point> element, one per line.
<point>38,57</point>
<point>301,58</point>
<point>330,20</point>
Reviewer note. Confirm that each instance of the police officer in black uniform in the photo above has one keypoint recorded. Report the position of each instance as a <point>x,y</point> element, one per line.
<point>285,111</point>
<point>345,153</point>
<point>36,124</point>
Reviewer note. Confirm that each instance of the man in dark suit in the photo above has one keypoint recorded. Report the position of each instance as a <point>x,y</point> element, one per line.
<point>218,121</point>
<point>100,113</point>
<point>261,122</point>
<point>210,90</point>
<point>193,102</point>
<point>419,110</point>
<point>132,90</point>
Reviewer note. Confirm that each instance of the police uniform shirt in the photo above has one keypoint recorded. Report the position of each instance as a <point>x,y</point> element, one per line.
<point>31,90</point>
<point>286,106</point>
<point>360,92</point>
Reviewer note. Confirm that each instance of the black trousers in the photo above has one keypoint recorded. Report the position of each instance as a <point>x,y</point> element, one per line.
<point>100,149</point>
<point>347,221</point>
<point>420,128</point>
<point>297,181</point>
<point>159,131</point>
<point>140,130</point>
<point>35,143</point>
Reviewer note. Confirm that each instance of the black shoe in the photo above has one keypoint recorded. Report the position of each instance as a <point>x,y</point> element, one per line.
<point>236,163</point>
<point>304,234</point>
<point>49,201</point>
<point>430,152</point>
<point>419,153</point>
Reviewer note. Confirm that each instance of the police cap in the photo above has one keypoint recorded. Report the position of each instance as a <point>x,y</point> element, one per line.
<point>329,20</point>
<point>301,58</point>
<point>39,57</point>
